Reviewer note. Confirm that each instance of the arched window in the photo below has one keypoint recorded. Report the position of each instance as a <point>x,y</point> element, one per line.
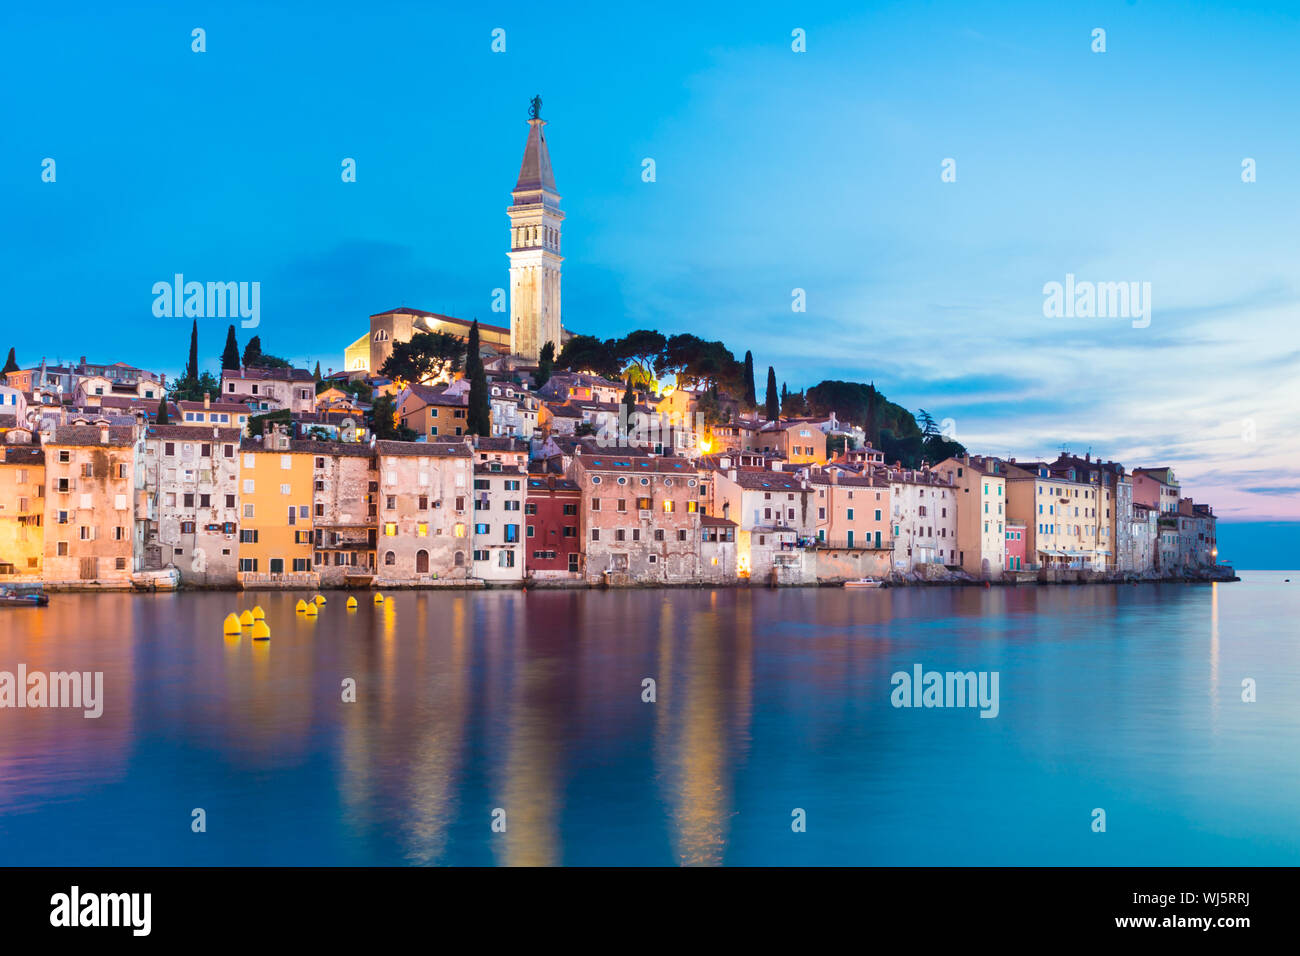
<point>390,558</point>
<point>459,559</point>
<point>422,562</point>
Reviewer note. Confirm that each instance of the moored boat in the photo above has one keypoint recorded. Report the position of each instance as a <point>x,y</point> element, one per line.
<point>862,583</point>
<point>12,598</point>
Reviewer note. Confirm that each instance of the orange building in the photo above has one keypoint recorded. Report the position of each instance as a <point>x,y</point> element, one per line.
<point>276,482</point>
<point>22,513</point>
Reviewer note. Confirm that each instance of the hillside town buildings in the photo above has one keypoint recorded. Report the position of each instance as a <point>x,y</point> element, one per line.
<point>106,480</point>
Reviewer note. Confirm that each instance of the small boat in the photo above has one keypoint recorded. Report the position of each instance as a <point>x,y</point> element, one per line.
<point>10,598</point>
<point>862,583</point>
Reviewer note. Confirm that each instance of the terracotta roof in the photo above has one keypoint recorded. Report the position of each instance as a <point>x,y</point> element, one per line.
<point>713,521</point>
<point>195,431</point>
<point>269,374</point>
<point>92,435</point>
<point>443,318</point>
<point>430,449</point>
<point>505,443</point>
<point>762,480</point>
<point>237,407</point>
<point>22,454</point>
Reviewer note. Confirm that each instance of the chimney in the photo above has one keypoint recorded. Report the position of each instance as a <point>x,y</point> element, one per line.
<point>550,482</point>
<point>103,431</point>
<point>731,473</point>
<point>835,476</point>
<point>207,401</point>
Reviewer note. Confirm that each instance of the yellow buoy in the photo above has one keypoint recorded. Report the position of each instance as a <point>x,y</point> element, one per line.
<point>379,599</point>
<point>258,613</point>
<point>261,632</point>
<point>352,604</point>
<point>231,625</point>
<point>300,606</point>
<point>310,610</point>
<point>246,619</point>
<point>319,599</point>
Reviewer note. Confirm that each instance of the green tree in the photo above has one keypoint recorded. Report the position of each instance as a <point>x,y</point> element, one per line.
<point>639,353</point>
<point>479,416</point>
<point>427,355</point>
<point>545,364</point>
<point>699,365</point>
<point>751,395</point>
<point>586,353</point>
<point>192,365</point>
<point>382,421</point>
<point>773,402</point>
<point>252,351</point>
<point>316,374</point>
<point>230,354</point>
<point>11,363</point>
<point>162,418</point>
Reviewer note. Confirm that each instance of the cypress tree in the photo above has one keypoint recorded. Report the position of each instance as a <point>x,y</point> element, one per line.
<point>545,364</point>
<point>11,363</point>
<point>751,396</point>
<point>253,351</point>
<point>773,402</point>
<point>316,374</point>
<point>479,416</point>
<point>192,366</point>
<point>162,418</point>
<point>230,355</point>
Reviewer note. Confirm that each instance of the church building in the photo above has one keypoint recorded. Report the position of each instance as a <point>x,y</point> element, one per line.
<point>535,261</point>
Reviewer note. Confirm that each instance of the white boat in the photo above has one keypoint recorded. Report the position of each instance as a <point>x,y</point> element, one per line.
<point>862,583</point>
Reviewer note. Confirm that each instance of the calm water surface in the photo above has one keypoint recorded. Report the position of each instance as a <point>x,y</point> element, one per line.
<point>1126,698</point>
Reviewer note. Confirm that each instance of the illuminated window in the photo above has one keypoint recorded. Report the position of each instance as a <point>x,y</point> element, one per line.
<point>422,529</point>
<point>460,531</point>
<point>390,529</point>
<point>668,504</point>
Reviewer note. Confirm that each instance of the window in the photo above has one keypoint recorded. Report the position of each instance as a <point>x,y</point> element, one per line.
<point>506,558</point>
<point>248,564</point>
<point>390,529</point>
<point>389,558</point>
<point>248,536</point>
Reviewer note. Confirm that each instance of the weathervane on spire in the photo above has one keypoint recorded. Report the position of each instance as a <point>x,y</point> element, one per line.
<point>535,107</point>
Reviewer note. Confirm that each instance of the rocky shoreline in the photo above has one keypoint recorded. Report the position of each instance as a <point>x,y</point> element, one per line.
<point>931,576</point>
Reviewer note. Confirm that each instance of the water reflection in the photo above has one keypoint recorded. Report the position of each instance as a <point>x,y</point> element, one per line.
<point>766,700</point>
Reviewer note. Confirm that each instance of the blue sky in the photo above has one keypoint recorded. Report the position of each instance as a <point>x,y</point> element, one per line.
<point>775,170</point>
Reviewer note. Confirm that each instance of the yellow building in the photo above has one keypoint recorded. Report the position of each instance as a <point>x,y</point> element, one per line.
<point>276,482</point>
<point>22,513</point>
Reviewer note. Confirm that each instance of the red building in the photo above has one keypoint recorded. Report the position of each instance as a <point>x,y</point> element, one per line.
<point>553,539</point>
<point>1015,560</point>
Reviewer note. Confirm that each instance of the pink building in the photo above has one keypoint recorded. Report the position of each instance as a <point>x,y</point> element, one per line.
<point>1015,551</point>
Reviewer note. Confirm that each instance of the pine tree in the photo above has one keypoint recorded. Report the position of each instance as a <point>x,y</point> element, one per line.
<point>479,415</point>
<point>11,363</point>
<point>316,374</point>
<point>162,418</point>
<point>773,402</point>
<point>192,366</point>
<point>751,396</point>
<point>230,355</point>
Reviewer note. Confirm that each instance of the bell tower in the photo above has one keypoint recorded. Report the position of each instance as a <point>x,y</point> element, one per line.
<point>535,258</point>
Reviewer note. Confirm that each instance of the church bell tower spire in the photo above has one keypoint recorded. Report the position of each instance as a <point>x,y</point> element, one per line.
<point>535,259</point>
